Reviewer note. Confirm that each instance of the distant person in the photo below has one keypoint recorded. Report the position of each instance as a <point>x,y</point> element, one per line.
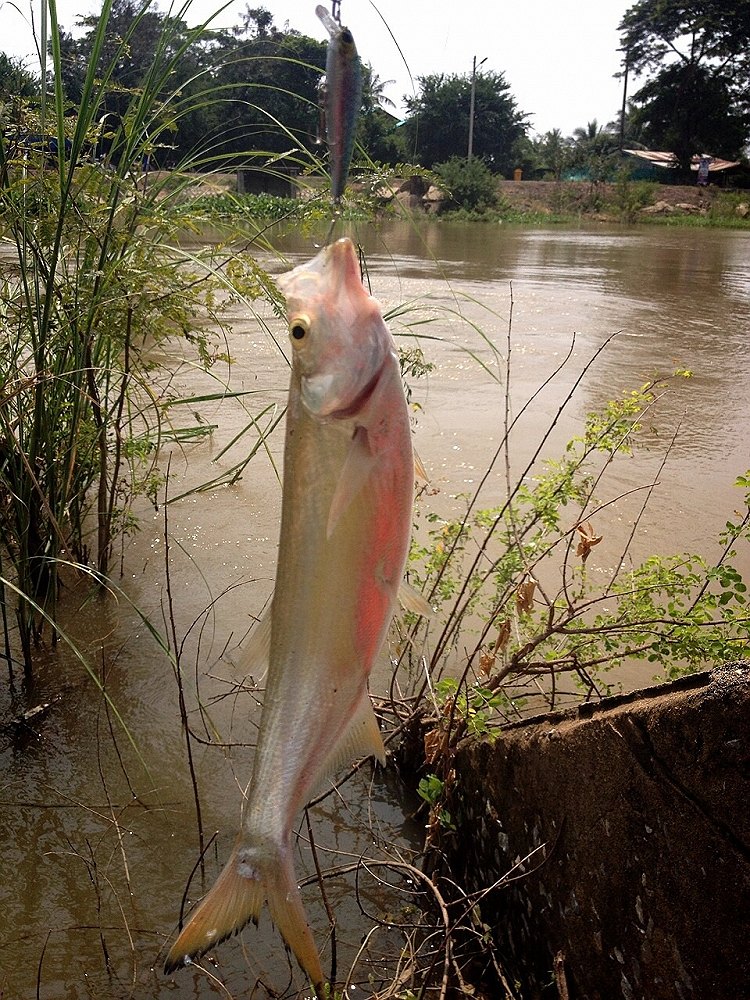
<point>703,170</point>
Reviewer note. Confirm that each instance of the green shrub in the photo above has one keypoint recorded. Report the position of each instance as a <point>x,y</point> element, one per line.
<point>470,183</point>
<point>631,196</point>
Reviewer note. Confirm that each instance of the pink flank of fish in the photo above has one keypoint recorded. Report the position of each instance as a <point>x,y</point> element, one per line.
<point>345,525</point>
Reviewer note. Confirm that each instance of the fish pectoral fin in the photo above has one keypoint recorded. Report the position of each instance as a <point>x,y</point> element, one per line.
<point>361,738</point>
<point>411,600</point>
<point>357,469</point>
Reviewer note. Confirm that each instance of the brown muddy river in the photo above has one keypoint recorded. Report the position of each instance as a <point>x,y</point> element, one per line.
<point>97,814</point>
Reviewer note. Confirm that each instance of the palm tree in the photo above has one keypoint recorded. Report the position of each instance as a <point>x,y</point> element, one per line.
<point>372,90</point>
<point>587,135</point>
<point>594,150</point>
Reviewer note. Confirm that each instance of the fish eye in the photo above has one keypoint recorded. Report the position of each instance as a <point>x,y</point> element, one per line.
<point>299,327</point>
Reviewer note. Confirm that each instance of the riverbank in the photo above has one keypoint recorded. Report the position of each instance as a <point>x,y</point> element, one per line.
<point>628,200</point>
<point>566,202</point>
<point>523,202</point>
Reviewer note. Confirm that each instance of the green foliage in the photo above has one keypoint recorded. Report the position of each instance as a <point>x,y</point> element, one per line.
<point>264,207</point>
<point>631,196</point>
<point>730,207</point>
<point>655,29</point>
<point>230,92</point>
<point>98,287</point>
<point>698,54</point>
<point>16,81</point>
<point>555,152</point>
<point>233,93</point>
<point>470,183</point>
<point>690,109</point>
<point>438,120</point>
<point>518,602</point>
<point>474,704</point>
<point>431,790</point>
<point>594,156</point>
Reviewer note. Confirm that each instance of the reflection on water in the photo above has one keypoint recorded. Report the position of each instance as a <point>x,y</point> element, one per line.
<point>98,816</point>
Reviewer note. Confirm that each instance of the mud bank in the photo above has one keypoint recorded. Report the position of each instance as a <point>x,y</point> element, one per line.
<point>627,822</point>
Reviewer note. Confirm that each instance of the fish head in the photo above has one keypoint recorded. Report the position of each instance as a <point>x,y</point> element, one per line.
<point>338,337</point>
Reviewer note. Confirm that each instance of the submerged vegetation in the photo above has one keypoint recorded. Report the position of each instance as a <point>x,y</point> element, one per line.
<point>104,299</point>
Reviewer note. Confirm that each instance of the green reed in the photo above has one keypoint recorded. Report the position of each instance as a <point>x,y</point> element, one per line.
<point>92,285</point>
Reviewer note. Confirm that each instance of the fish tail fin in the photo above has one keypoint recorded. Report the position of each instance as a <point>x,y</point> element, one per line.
<point>237,898</point>
<point>288,914</point>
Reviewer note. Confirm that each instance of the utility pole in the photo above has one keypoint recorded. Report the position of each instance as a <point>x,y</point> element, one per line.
<point>624,110</point>
<point>471,104</point>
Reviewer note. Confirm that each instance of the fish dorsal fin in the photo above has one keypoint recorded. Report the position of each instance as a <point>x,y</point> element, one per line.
<point>419,469</point>
<point>411,600</point>
<point>355,472</point>
<point>361,738</point>
<point>253,657</point>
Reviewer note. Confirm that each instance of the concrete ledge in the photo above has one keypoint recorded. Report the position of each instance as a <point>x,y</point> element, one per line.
<point>634,815</point>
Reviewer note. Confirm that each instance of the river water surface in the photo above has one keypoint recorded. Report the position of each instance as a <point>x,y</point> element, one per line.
<point>97,815</point>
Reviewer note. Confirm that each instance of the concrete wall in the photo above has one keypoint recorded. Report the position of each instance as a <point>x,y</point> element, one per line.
<point>636,816</point>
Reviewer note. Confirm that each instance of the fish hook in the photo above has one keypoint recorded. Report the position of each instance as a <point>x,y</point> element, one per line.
<point>336,11</point>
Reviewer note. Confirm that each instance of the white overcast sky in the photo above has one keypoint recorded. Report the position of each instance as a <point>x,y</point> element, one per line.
<point>559,56</point>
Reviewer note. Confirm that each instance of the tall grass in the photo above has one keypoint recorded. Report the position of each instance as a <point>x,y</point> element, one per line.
<point>92,281</point>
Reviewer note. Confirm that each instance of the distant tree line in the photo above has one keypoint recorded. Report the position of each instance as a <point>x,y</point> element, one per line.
<point>253,89</point>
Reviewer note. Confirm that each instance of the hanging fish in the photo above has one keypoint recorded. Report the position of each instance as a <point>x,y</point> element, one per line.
<point>342,98</point>
<point>345,523</point>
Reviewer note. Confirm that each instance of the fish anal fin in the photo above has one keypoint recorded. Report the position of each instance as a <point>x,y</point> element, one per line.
<point>356,470</point>
<point>361,738</point>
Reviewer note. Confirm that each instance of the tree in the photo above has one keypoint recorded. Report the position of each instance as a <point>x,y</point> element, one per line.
<point>230,93</point>
<point>437,126</point>
<point>376,130</point>
<point>555,152</point>
<point>699,55</point>
<point>594,151</point>
<point>15,79</point>
<point>258,22</point>
<point>268,86</point>
<point>688,110</point>
<point>139,45</point>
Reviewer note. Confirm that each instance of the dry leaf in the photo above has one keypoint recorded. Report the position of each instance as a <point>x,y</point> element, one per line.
<point>525,596</point>
<point>433,742</point>
<point>587,539</point>
<point>486,663</point>
<point>503,636</point>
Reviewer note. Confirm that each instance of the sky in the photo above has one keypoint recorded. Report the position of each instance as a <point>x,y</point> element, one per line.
<point>558,56</point>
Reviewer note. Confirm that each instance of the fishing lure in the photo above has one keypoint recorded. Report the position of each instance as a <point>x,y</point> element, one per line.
<point>341,98</point>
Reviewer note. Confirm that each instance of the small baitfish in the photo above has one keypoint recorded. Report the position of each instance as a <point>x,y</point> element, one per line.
<point>345,523</point>
<point>343,99</point>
